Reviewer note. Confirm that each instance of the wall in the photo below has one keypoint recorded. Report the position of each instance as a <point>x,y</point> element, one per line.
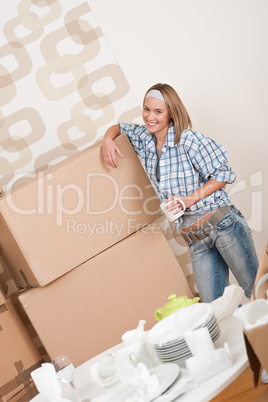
<point>215,54</point>
<point>60,84</point>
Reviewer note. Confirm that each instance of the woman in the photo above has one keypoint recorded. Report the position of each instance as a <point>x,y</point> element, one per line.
<point>184,164</point>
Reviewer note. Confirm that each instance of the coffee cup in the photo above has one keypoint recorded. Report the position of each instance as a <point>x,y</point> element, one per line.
<point>107,367</point>
<point>170,215</point>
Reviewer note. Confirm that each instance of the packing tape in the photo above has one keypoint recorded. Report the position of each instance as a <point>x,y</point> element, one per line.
<point>25,394</point>
<point>3,308</point>
<point>23,378</point>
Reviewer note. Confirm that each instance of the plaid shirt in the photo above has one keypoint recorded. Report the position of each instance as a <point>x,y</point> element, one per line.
<point>184,167</point>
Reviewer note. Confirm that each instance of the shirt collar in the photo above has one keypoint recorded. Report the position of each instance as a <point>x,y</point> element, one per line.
<point>170,139</point>
<point>148,137</point>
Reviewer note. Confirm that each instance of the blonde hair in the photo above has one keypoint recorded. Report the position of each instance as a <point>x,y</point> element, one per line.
<point>180,118</point>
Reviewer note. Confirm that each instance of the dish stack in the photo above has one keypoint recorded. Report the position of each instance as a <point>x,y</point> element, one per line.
<point>167,336</point>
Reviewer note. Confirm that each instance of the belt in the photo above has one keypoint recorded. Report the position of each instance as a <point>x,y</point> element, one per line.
<point>205,229</point>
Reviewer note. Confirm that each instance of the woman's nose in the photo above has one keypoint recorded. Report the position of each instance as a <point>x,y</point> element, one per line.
<point>150,115</point>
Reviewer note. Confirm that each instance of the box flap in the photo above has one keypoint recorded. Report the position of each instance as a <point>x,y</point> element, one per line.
<point>257,349</point>
<point>253,361</point>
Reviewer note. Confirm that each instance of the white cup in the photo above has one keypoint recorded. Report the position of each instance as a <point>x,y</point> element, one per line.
<point>107,367</point>
<point>170,215</point>
<point>209,363</point>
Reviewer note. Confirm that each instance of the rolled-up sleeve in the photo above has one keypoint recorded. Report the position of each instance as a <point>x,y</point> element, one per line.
<point>135,134</point>
<point>210,159</point>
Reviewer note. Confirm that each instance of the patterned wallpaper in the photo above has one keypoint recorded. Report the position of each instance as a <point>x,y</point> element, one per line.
<point>61,86</point>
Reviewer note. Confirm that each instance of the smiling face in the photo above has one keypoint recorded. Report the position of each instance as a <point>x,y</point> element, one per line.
<point>156,116</point>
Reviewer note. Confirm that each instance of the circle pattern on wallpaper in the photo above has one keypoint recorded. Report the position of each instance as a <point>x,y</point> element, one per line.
<point>61,86</point>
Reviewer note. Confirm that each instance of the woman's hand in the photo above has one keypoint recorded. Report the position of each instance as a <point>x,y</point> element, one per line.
<point>176,206</point>
<point>109,147</point>
<point>109,150</point>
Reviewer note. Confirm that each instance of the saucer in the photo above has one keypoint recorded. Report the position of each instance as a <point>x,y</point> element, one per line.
<point>166,374</point>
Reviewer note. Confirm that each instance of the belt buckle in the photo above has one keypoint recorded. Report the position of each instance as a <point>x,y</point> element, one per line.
<point>194,236</point>
<point>186,237</point>
<point>200,234</point>
<point>191,236</point>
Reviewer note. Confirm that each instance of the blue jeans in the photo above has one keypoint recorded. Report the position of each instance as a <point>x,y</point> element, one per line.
<point>229,245</point>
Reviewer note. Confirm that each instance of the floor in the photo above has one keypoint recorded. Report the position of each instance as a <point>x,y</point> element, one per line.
<point>242,389</point>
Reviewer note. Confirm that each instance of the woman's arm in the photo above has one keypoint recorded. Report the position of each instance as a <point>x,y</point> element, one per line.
<point>109,147</point>
<point>207,189</point>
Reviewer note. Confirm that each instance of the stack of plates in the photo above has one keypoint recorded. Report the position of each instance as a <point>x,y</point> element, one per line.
<point>173,352</point>
<point>169,343</point>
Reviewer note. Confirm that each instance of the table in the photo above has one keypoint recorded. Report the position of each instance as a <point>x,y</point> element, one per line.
<point>231,332</point>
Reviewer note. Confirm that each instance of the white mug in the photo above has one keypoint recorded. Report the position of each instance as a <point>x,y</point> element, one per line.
<point>170,215</point>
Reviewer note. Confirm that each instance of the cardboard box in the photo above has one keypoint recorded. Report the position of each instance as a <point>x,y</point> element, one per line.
<point>28,326</point>
<point>18,356</point>
<point>86,311</point>
<point>72,212</point>
<point>26,394</point>
<point>257,350</point>
<point>256,338</point>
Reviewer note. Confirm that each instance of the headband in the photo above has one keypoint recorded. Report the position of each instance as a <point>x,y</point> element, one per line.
<point>155,93</point>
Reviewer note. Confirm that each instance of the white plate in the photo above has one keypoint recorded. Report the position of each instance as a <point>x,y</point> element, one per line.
<point>172,344</point>
<point>166,374</point>
<point>173,349</point>
<point>211,323</point>
<point>173,352</point>
<point>175,358</point>
<point>176,324</point>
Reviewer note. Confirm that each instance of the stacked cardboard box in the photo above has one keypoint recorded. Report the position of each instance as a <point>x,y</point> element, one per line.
<point>72,212</point>
<point>87,310</point>
<point>256,338</point>
<point>80,239</point>
<point>18,354</point>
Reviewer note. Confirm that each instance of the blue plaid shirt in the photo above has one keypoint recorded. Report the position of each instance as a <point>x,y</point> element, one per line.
<point>184,167</point>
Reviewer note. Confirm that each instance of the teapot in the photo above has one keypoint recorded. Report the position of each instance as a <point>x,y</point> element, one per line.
<point>174,304</point>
